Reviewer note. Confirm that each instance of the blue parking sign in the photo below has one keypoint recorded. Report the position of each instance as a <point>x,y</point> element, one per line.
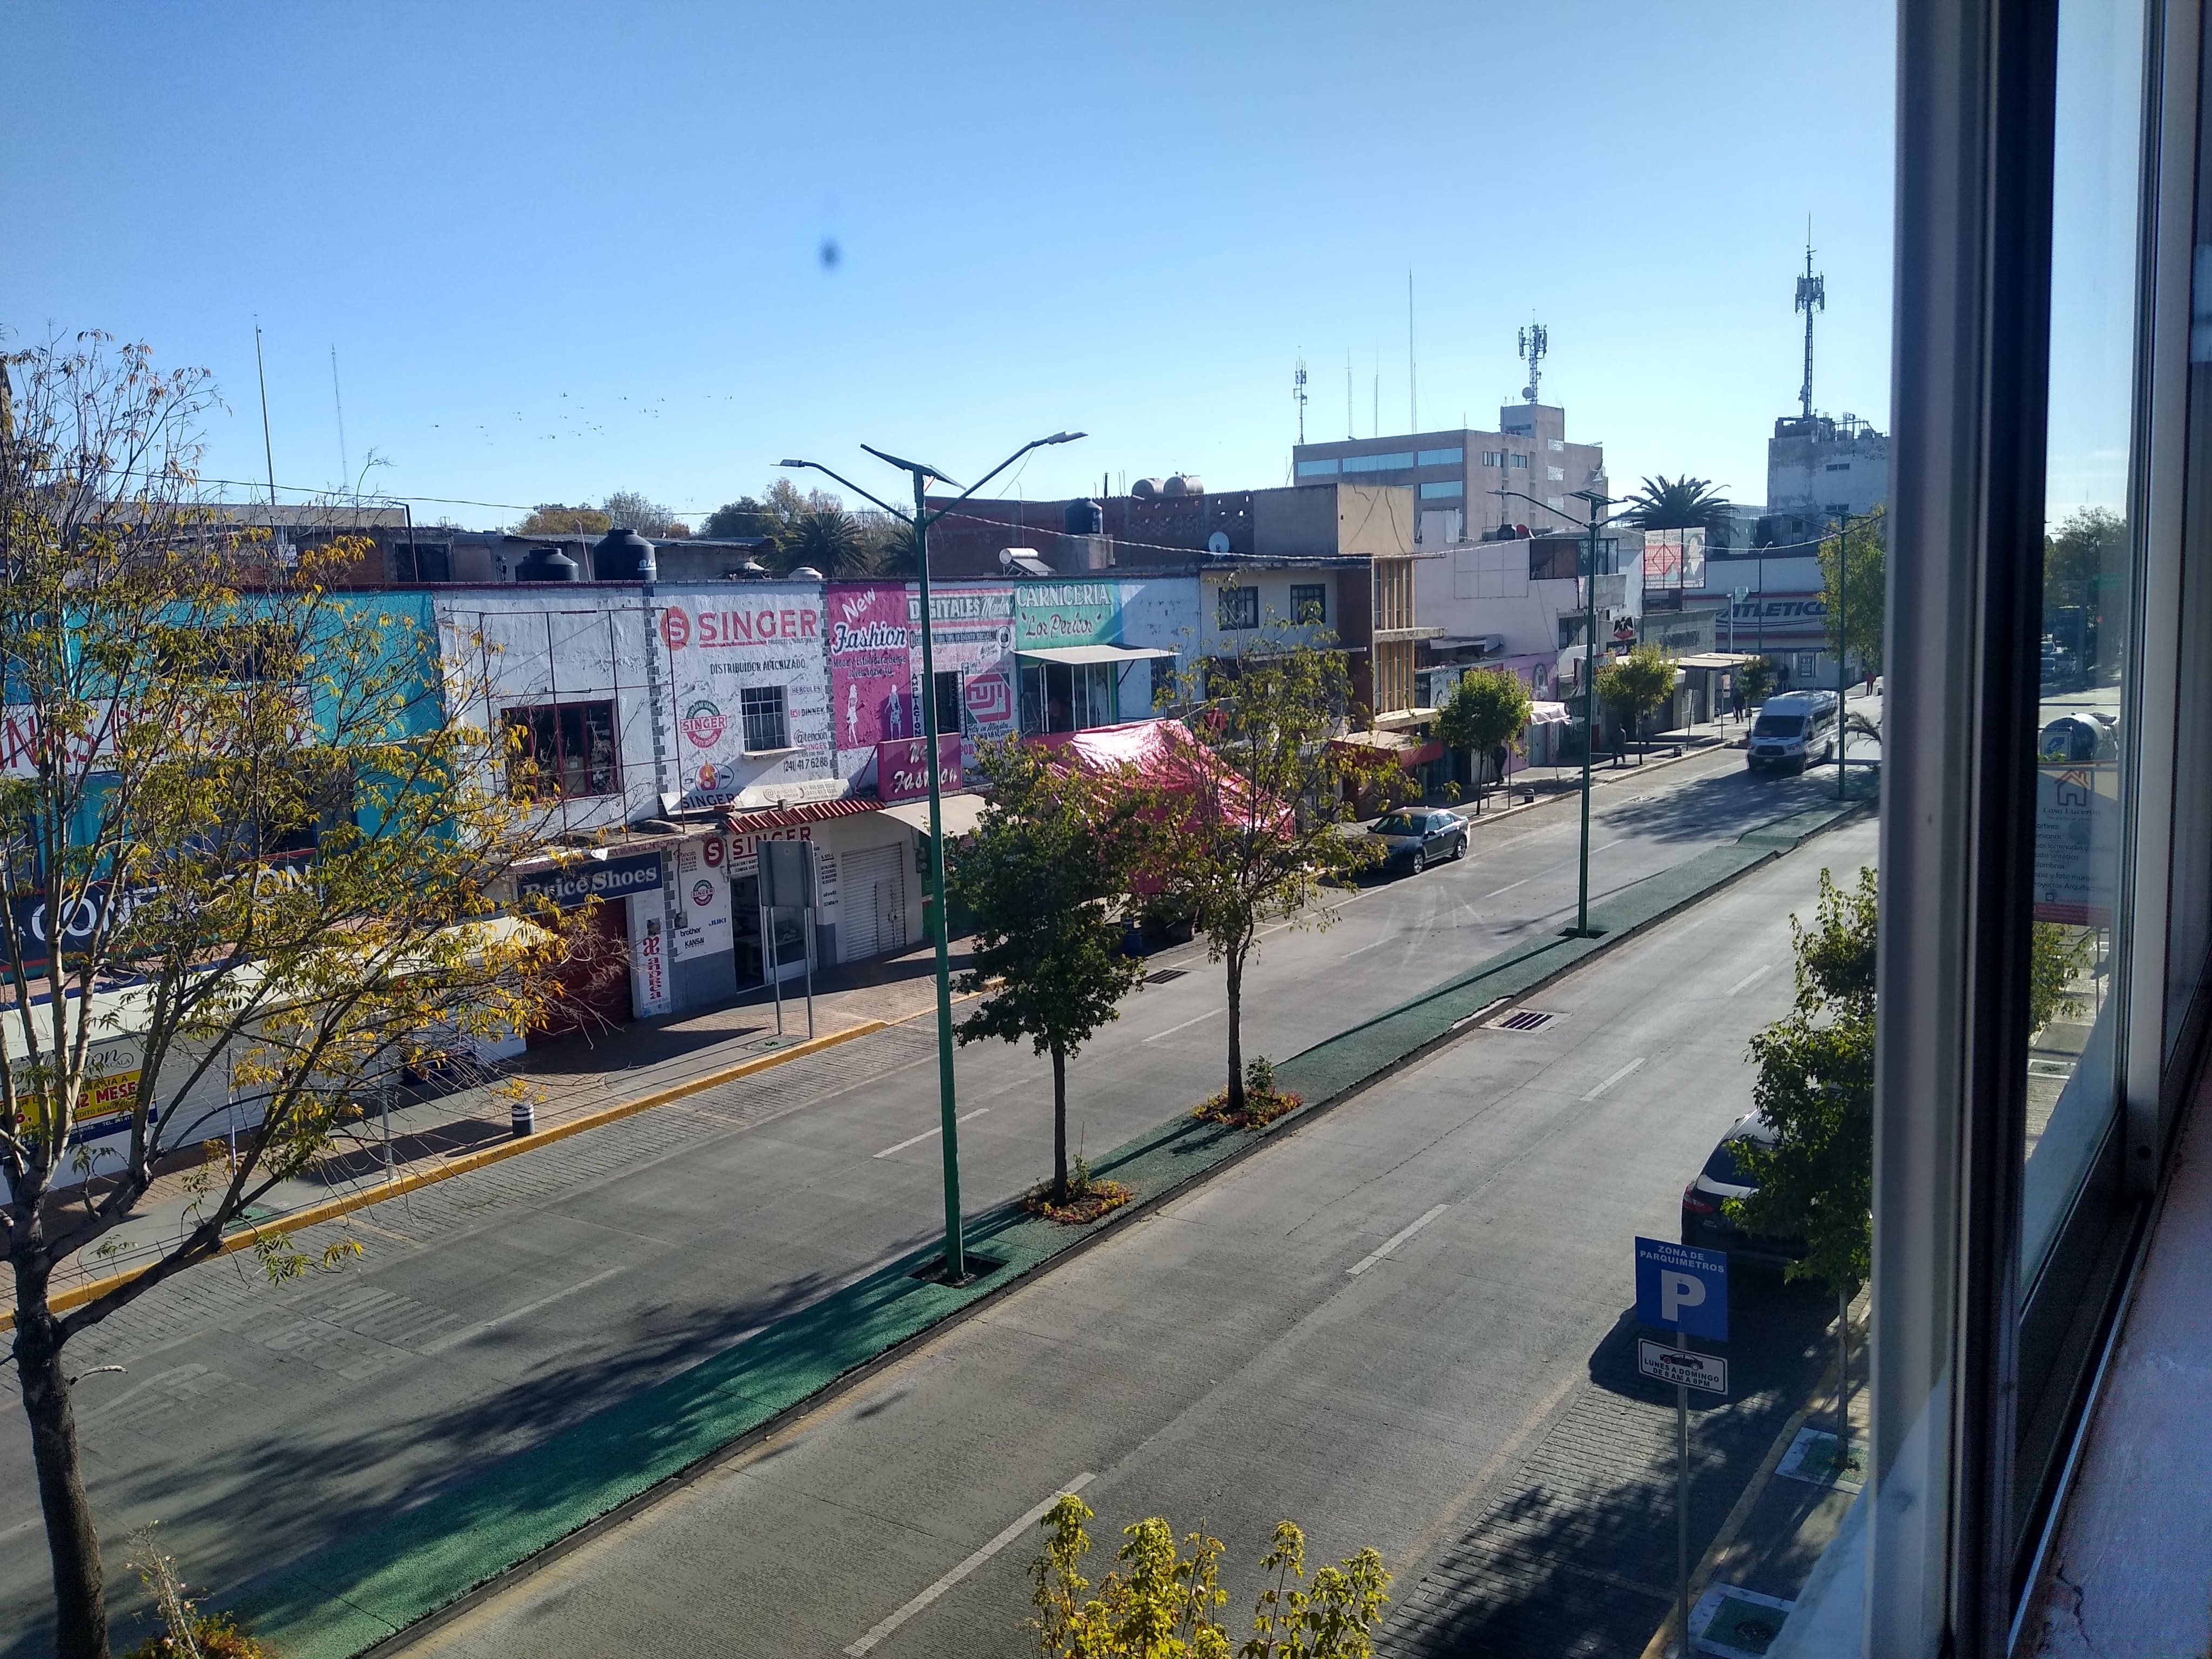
<point>1682,1288</point>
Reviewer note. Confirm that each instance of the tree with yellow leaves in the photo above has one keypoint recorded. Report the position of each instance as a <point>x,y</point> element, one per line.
<point>253,874</point>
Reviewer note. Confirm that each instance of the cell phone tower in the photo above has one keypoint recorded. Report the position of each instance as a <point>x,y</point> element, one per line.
<point>1812,297</point>
<point>1535,340</point>
<point>1298,396</point>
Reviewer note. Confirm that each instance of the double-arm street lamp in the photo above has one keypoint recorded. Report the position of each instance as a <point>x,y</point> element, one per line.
<point>1590,673</point>
<point>955,1256</point>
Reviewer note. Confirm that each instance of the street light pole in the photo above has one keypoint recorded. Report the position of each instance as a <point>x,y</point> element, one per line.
<point>1590,677</point>
<point>956,1253</point>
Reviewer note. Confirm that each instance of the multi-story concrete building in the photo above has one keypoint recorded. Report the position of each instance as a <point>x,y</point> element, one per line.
<point>1816,466</point>
<point>1454,474</point>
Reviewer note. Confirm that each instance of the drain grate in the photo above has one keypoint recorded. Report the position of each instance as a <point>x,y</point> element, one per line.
<point>1523,1019</point>
<point>1164,975</point>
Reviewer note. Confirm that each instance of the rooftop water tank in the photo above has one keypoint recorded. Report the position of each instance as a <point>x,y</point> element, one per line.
<point>621,555</point>
<point>546,564</point>
<point>1148,489</point>
<point>1083,518</point>
<point>1184,483</point>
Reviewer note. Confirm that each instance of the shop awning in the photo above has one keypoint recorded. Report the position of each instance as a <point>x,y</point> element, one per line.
<point>790,818</point>
<point>1407,748</point>
<point>1085,654</point>
<point>959,813</point>
<point>1714,662</point>
<point>1548,714</point>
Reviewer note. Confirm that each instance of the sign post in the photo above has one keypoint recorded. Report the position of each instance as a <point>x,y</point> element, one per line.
<point>1682,1288</point>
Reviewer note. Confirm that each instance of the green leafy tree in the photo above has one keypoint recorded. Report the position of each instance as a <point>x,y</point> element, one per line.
<point>1683,503</point>
<point>1159,1603</point>
<point>193,716</point>
<point>2076,556</point>
<point>1816,1091</point>
<point>1257,824</point>
<point>1634,685</point>
<point>1854,587</point>
<point>2055,955</point>
<point>1757,677</point>
<point>744,517</point>
<point>552,519</point>
<point>1487,708</point>
<point>828,539</point>
<point>1046,878</point>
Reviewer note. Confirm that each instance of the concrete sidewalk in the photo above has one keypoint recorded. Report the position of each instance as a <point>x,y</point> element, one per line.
<point>426,1558</point>
<point>576,1082</point>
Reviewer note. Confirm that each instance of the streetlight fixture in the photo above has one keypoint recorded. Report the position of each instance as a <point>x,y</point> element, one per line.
<point>956,1255</point>
<point>1590,674</point>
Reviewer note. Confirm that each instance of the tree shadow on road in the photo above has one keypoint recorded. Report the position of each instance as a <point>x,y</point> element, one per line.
<point>1719,806</point>
<point>1576,1555</point>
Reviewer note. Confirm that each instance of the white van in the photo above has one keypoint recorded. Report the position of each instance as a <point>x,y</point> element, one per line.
<point>1792,732</point>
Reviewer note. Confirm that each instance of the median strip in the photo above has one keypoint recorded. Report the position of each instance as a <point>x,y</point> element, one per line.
<point>459,1541</point>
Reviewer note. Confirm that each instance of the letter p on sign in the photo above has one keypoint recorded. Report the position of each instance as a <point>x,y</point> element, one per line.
<point>1682,1287</point>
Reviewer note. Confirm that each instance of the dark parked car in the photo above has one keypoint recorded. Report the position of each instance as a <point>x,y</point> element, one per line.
<point>1414,837</point>
<point>1706,1222</point>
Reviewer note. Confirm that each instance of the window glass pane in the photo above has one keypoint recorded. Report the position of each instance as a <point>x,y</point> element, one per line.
<point>1450,490</point>
<point>2088,577</point>
<point>1317,469</point>
<point>1396,461</point>
<point>762,706</point>
<point>1442,457</point>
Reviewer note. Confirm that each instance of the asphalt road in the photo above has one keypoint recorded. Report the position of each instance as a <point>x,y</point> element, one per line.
<point>1368,1327</point>
<point>256,1422</point>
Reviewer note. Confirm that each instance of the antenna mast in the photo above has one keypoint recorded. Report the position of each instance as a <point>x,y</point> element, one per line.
<point>268,452</point>
<point>1535,340</point>
<point>1812,297</point>
<point>345,466</point>
<point>1298,396</point>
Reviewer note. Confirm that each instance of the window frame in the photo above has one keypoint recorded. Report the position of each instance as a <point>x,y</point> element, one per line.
<point>747,715</point>
<point>1315,594</point>
<point>1237,609</point>
<point>524,769</point>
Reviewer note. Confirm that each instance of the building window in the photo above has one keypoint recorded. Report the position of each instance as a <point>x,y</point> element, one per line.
<point>1237,607</point>
<point>1557,503</point>
<point>1058,696</point>
<point>1396,461</point>
<point>1317,469</point>
<point>761,707</point>
<point>1441,457</point>
<point>1556,474</point>
<point>1444,489</point>
<point>1521,463</point>
<point>1839,466</point>
<point>949,705</point>
<point>1308,604</point>
<point>1494,458</point>
<point>563,751</point>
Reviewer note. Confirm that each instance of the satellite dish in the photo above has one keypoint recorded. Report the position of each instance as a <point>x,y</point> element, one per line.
<point>1218,542</point>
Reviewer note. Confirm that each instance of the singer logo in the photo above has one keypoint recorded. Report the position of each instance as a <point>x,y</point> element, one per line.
<point>676,627</point>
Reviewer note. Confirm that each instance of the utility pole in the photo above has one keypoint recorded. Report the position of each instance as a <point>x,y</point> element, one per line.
<point>955,1255</point>
<point>1590,676</point>
<point>1843,640</point>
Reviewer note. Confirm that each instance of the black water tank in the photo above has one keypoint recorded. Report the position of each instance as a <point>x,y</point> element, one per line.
<point>620,555</point>
<point>547,564</point>
<point>1084,518</point>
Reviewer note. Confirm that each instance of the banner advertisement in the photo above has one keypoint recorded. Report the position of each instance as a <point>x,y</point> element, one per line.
<point>903,769</point>
<point>2077,845</point>
<point>648,957</point>
<point>872,645</point>
<point>1675,558</point>
<point>971,633</point>
<point>702,903</point>
<point>569,885</point>
<point>764,639</point>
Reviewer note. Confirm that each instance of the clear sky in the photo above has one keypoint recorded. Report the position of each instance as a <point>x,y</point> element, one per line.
<point>561,250</point>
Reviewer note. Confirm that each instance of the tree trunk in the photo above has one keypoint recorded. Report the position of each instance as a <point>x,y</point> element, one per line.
<point>80,1607</point>
<point>1059,1124</point>
<point>1236,1030</point>
<point>1842,1376</point>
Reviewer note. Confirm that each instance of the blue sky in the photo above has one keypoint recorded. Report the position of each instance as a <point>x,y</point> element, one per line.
<point>563,250</point>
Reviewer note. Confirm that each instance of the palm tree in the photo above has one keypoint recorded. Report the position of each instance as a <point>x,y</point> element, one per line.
<point>1683,503</point>
<point>828,539</point>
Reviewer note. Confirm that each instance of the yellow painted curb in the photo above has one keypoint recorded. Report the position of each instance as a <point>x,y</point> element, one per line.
<point>329,1209</point>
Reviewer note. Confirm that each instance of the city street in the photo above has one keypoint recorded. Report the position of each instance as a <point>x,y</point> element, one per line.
<point>255,1424</point>
<point>1371,1327</point>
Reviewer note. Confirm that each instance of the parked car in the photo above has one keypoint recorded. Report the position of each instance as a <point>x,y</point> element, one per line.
<point>1704,1222</point>
<point>1414,837</point>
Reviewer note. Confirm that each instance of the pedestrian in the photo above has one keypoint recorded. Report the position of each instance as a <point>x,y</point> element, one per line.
<point>1498,759</point>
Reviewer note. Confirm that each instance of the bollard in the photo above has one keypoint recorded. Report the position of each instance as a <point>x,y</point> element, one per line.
<point>522,1118</point>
